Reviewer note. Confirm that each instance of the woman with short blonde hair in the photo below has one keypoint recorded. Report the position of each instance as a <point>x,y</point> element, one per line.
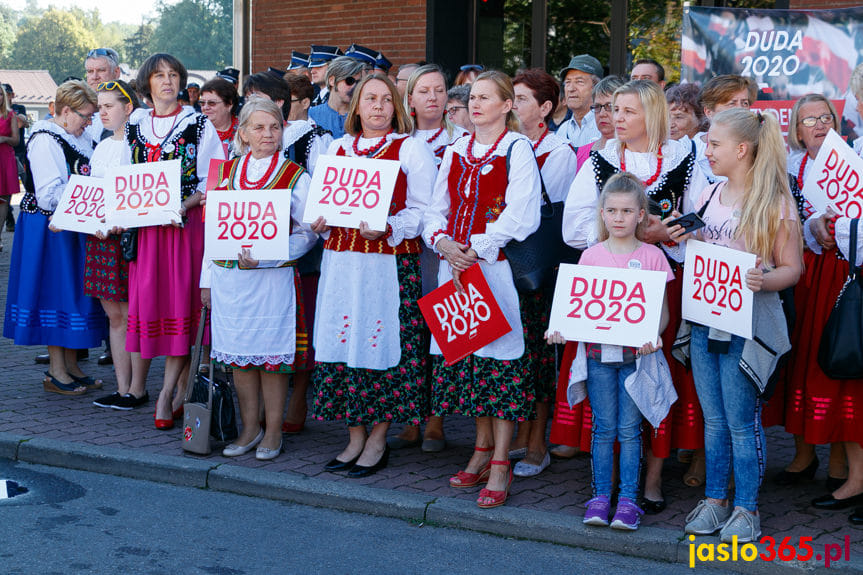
<point>62,317</point>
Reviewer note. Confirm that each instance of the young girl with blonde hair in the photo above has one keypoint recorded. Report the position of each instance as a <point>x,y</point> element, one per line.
<point>754,212</point>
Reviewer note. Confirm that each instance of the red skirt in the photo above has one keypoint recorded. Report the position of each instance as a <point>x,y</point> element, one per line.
<point>683,428</point>
<point>821,409</point>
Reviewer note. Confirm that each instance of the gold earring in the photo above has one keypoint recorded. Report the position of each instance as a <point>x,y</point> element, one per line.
<point>65,125</point>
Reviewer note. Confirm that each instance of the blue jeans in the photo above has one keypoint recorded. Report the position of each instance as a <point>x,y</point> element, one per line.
<point>732,421</point>
<point>615,416</point>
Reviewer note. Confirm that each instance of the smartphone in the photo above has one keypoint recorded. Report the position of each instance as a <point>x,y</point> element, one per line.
<point>690,222</point>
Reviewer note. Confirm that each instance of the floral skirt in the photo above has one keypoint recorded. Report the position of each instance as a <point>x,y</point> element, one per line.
<point>359,396</point>
<point>483,387</point>
<point>538,355</point>
<point>106,273</point>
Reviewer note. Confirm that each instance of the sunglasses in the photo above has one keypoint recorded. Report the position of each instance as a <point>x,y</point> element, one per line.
<point>470,67</point>
<point>112,85</point>
<point>102,53</point>
<point>350,80</point>
<point>811,120</point>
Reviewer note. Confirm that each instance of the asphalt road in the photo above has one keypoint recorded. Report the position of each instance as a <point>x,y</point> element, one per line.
<point>79,522</point>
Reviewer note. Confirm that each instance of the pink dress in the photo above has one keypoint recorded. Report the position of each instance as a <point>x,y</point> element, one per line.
<point>8,167</point>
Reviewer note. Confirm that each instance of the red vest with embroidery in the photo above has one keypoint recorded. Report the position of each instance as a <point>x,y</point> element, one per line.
<point>350,240</point>
<point>469,213</point>
<point>285,179</point>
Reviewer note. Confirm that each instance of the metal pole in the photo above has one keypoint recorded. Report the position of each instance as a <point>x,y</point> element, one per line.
<point>539,31</point>
<point>619,36</point>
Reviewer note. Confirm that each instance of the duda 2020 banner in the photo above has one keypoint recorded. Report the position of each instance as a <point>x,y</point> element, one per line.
<point>789,53</point>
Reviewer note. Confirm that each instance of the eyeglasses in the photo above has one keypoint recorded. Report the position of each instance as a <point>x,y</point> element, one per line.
<point>209,103</point>
<point>472,68</point>
<point>811,120</point>
<point>453,109</point>
<point>108,86</point>
<point>82,116</point>
<point>597,108</point>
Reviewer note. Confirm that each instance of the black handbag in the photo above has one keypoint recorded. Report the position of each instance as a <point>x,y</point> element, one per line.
<point>129,244</point>
<point>535,259</point>
<point>840,353</point>
<point>223,421</point>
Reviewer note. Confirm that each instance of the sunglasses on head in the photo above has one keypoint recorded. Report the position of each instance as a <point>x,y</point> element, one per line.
<point>101,53</point>
<point>112,85</point>
<point>472,67</point>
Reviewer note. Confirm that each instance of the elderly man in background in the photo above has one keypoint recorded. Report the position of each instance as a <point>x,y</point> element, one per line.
<point>101,65</point>
<point>579,78</point>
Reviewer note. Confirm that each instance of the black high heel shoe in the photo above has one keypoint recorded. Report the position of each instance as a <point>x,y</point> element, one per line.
<point>795,477</point>
<point>363,471</point>
<point>336,465</point>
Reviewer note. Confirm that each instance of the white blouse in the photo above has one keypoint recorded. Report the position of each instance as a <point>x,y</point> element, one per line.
<point>579,215</point>
<point>208,148</point>
<point>48,163</point>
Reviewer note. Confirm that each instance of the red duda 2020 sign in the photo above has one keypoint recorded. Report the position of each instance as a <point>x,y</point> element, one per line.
<point>462,323</point>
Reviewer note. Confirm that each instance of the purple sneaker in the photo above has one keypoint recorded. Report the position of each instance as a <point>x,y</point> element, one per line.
<point>627,515</point>
<point>597,511</point>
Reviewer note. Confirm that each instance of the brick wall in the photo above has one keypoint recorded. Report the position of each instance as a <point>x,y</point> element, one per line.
<point>395,27</point>
<point>822,4</point>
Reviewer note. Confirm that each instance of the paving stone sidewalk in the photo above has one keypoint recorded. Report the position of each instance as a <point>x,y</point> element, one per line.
<point>26,410</point>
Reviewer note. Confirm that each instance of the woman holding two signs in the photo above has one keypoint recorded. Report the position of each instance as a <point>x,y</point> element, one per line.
<point>809,395</point>
<point>45,302</point>
<point>669,173</point>
<point>477,208</point>
<point>164,299</point>
<point>106,273</point>
<point>257,304</point>
<point>368,326</point>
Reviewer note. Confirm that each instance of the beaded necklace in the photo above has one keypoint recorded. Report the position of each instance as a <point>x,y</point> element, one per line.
<point>471,159</point>
<point>434,136</point>
<point>370,151</point>
<point>247,184</point>
<point>539,141</point>
<point>648,182</point>
<point>801,170</point>
<point>154,151</point>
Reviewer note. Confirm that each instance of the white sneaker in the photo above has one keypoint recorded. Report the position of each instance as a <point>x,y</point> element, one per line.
<point>523,469</point>
<point>744,525</point>
<point>706,518</point>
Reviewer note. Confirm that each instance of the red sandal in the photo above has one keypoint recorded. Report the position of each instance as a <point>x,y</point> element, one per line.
<point>498,498</point>
<point>463,479</point>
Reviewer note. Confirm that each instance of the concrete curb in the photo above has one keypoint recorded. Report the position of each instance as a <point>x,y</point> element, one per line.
<point>319,492</point>
<point>562,529</point>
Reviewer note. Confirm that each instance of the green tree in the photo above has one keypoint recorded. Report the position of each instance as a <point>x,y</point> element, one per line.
<point>137,46</point>
<point>56,41</point>
<point>8,28</point>
<point>197,32</point>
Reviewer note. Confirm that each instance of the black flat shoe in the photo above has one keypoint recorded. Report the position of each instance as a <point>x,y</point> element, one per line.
<point>856,518</point>
<point>651,507</point>
<point>363,471</point>
<point>830,503</point>
<point>834,483</point>
<point>336,465</point>
<point>795,477</point>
